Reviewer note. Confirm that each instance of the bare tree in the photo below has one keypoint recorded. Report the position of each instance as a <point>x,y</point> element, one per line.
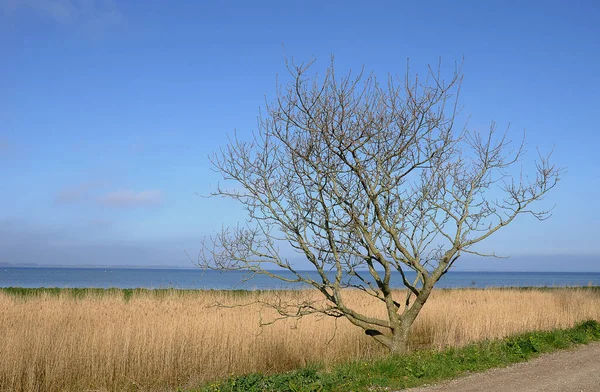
<point>364,179</point>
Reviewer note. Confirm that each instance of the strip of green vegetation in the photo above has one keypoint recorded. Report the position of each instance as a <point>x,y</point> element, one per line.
<point>22,292</point>
<point>127,293</point>
<point>418,368</point>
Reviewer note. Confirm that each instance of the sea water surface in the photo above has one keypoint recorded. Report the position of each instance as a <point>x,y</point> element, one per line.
<point>198,279</point>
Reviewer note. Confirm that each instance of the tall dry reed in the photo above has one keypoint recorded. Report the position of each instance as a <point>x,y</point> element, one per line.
<point>150,342</point>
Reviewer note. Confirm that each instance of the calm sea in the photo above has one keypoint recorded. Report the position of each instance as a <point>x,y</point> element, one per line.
<point>198,279</point>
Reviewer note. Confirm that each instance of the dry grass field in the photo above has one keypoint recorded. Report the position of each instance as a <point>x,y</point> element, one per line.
<point>103,342</point>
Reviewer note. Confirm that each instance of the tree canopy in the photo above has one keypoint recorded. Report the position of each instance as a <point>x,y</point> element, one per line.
<point>365,178</point>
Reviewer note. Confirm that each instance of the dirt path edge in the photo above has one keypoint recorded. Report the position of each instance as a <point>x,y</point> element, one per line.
<point>573,370</point>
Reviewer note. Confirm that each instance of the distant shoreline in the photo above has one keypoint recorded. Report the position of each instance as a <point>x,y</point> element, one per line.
<point>162,267</point>
<point>98,266</point>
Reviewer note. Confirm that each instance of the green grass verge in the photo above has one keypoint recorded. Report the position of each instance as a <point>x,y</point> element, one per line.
<point>418,368</point>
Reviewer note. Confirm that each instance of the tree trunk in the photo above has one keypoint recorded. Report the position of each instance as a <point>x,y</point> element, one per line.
<point>399,341</point>
<point>397,344</point>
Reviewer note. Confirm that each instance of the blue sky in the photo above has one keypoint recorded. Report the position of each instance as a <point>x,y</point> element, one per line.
<point>109,109</point>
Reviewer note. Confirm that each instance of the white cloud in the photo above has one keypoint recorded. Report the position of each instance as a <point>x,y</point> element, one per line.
<point>96,192</point>
<point>101,223</point>
<point>24,243</point>
<point>93,14</point>
<point>129,198</point>
<point>59,10</point>
<point>75,194</point>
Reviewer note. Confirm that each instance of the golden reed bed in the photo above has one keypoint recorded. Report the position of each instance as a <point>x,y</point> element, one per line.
<point>150,342</point>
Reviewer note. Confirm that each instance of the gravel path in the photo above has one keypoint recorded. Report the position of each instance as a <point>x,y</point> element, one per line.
<point>575,370</point>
